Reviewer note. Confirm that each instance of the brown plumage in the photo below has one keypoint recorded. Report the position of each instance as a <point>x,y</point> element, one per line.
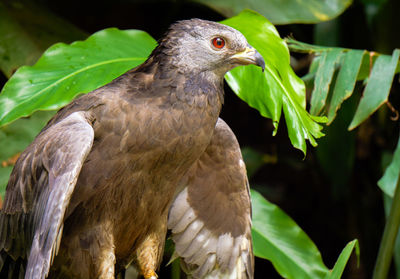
<point>92,193</point>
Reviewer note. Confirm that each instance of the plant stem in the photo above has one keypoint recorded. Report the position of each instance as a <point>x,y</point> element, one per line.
<point>385,254</point>
<point>176,269</point>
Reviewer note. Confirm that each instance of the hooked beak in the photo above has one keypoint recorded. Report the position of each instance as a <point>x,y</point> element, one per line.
<point>249,56</point>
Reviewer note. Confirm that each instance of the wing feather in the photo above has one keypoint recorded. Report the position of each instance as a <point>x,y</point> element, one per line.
<point>39,191</point>
<point>210,218</point>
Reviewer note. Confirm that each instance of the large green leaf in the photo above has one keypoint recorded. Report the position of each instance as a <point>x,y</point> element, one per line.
<point>377,90</point>
<point>26,30</point>
<point>276,237</point>
<point>278,87</point>
<point>279,239</point>
<point>67,70</point>
<point>283,12</point>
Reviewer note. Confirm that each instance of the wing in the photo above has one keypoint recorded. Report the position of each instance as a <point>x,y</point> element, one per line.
<point>39,191</point>
<point>210,218</point>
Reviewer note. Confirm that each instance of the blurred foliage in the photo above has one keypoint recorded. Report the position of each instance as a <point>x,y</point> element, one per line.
<point>27,30</point>
<point>283,12</point>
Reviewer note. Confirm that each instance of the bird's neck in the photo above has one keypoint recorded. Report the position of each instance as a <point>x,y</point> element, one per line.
<point>186,85</point>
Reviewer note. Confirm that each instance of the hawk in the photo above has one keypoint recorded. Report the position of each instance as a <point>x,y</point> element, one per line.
<point>107,176</point>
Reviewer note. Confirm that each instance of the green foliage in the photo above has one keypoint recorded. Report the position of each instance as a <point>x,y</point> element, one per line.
<point>388,201</point>
<point>67,70</point>
<point>390,179</point>
<point>283,12</point>
<point>323,80</point>
<point>388,241</point>
<point>64,71</point>
<point>353,65</point>
<point>338,269</point>
<point>277,87</point>
<point>279,239</point>
<point>377,90</point>
<point>378,72</point>
<point>346,80</point>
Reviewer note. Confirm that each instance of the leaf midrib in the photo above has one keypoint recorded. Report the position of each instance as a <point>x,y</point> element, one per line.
<point>294,103</point>
<point>282,252</point>
<point>74,73</point>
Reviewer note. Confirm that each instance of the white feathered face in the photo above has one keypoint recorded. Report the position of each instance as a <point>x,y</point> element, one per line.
<point>199,46</point>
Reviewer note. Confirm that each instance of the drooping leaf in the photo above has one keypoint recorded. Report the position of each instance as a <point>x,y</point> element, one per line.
<point>26,30</point>
<point>377,90</point>
<point>345,81</point>
<point>337,271</point>
<point>323,80</point>
<point>67,70</point>
<point>365,68</point>
<point>14,138</point>
<point>390,178</point>
<point>283,12</point>
<point>278,87</point>
<point>279,239</point>
<point>355,63</point>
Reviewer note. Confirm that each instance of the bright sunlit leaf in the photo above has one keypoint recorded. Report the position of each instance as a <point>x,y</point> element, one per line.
<point>278,88</point>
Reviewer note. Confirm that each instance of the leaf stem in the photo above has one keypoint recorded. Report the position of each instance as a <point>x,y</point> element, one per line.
<point>176,269</point>
<point>385,254</point>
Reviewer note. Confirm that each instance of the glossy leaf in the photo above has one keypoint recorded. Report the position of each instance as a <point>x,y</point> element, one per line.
<point>67,70</point>
<point>377,90</point>
<point>345,81</point>
<point>26,30</point>
<point>283,12</point>
<point>279,239</point>
<point>337,271</point>
<point>278,88</point>
<point>323,80</point>
<point>390,178</point>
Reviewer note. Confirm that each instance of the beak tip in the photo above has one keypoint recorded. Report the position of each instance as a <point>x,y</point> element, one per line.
<point>260,61</point>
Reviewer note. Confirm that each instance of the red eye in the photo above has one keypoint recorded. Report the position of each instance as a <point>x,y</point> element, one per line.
<point>218,42</point>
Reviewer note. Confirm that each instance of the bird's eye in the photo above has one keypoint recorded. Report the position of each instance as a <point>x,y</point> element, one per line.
<point>218,42</point>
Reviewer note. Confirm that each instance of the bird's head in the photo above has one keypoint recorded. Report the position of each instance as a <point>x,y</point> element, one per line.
<point>204,46</point>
